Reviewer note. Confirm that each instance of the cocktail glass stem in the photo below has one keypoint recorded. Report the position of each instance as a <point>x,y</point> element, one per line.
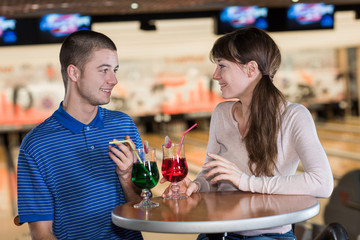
<point>146,202</point>
<point>175,192</point>
<point>175,189</point>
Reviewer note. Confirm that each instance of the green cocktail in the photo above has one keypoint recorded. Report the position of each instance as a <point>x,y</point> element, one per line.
<point>142,178</point>
<point>145,175</point>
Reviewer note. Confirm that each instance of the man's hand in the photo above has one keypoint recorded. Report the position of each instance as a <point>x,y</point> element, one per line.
<point>123,158</point>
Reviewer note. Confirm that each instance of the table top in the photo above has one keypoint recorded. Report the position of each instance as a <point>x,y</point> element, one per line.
<point>214,212</point>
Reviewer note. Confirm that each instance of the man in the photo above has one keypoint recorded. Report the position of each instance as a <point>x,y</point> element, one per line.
<point>69,178</point>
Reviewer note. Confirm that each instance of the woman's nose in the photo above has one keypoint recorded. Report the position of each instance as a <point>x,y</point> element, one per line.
<point>216,75</point>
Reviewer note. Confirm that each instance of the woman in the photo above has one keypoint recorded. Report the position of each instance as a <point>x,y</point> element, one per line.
<point>256,143</point>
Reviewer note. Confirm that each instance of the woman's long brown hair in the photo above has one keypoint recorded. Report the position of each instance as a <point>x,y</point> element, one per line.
<point>252,44</point>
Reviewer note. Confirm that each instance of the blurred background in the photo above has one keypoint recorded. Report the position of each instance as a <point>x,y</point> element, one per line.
<point>165,78</point>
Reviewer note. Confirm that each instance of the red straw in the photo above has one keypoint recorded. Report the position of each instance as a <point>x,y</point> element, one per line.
<point>183,136</point>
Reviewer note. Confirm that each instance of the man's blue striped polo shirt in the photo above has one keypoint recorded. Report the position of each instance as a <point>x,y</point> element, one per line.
<point>66,175</point>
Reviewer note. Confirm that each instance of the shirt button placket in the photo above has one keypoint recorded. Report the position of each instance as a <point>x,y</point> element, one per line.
<point>87,128</point>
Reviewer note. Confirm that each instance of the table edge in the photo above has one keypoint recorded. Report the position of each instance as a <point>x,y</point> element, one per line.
<point>216,226</point>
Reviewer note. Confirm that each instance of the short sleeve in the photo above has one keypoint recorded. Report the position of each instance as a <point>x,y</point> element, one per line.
<point>35,202</point>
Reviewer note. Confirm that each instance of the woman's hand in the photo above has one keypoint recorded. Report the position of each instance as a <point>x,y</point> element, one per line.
<point>186,186</point>
<point>123,158</point>
<point>222,169</point>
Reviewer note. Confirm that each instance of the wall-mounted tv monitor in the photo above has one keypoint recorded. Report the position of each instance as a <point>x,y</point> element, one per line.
<point>8,31</point>
<point>306,16</point>
<point>301,16</point>
<point>234,17</point>
<point>54,28</point>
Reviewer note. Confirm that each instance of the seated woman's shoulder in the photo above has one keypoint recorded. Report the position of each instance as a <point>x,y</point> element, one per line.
<point>226,104</point>
<point>295,107</point>
<point>297,110</point>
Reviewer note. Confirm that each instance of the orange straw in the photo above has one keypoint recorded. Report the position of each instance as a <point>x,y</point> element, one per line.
<point>183,136</point>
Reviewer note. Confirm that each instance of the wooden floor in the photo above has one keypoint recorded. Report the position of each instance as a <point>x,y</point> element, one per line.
<point>340,139</point>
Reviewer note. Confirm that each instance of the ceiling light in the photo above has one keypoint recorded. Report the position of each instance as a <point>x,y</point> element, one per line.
<point>109,3</point>
<point>65,5</point>
<point>35,6</point>
<point>134,6</point>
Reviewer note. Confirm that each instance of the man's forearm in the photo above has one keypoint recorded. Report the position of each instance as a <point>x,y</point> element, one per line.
<point>131,192</point>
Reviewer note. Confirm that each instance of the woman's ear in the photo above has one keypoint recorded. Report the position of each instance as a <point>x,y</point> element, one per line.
<point>252,69</point>
<point>73,73</point>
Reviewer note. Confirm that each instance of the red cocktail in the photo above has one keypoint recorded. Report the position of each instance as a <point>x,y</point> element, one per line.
<point>174,170</point>
<point>174,167</point>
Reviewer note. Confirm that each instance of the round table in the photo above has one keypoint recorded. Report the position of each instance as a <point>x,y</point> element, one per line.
<point>214,212</point>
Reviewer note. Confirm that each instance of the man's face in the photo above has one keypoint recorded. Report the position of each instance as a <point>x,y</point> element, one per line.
<point>98,77</point>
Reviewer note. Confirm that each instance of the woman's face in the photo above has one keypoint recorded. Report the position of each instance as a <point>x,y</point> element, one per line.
<point>233,79</point>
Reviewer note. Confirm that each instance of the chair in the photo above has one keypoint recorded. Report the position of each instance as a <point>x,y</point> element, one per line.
<point>16,221</point>
<point>344,204</point>
<point>333,231</point>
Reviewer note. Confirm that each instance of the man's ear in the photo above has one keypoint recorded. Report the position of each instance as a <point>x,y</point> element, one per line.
<point>252,69</point>
<point>73,73</point>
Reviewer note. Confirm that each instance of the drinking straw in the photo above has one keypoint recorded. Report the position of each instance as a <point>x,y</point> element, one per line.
<point>138,157</point>
<point>183,136</point>
<point>132,147</point>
